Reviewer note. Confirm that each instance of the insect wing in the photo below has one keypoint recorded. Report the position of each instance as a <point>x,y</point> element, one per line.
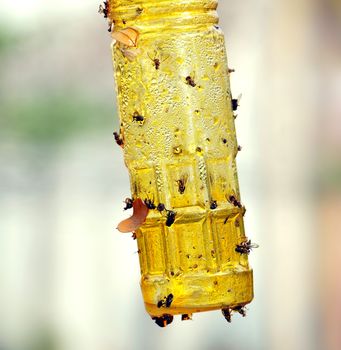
<point>127,36</point>
<point>254,245</point>
<point>131,54</point>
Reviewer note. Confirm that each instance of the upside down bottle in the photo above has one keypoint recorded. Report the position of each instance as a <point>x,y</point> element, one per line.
<point>179,144</point>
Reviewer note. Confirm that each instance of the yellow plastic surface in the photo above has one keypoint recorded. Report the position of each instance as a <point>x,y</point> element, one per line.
<point>181,153</point>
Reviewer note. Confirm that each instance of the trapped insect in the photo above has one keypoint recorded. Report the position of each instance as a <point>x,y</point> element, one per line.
<point>190,81</point>
<point>240,309</point>
<point>227,314</point>
<point>170,218</point>
<point>137,117</point>
<point>166,301</point>
<point>130,53</point>
<point>233,200</point>
<point>129,203</point>
<point>139,11</point>
<point>104,9</point>
<point>118,139</point>
<point>160,207</point>
<point>110,26</point>
<point>169,300</point>
<point>126,36</point>
<point>163,320</point>
<point>182,183</point>
<point>157,60</point>
<point>186,317</point>
<point>245,247</point>
<point>235,102</point>
<point>149,203</point>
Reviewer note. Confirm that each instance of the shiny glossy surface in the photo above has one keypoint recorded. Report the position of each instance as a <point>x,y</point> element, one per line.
<point>180,146</point>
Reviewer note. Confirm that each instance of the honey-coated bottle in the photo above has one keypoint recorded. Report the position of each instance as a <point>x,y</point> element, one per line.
<point>179,142</point>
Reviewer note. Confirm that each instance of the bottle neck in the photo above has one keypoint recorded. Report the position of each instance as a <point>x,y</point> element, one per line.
<point>150,15</point>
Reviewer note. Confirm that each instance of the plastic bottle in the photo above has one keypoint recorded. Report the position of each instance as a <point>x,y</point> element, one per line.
<point>179,142</point>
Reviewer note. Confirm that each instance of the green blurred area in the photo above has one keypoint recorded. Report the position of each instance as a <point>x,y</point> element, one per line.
<point>54,114</point>
<point>7,39</point>
<point>43,341</point>
<point>53,118</point>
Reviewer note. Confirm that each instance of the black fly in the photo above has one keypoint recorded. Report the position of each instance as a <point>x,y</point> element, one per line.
<point>227,314</point>
<point>170,218</point>
<point>232,199</point>
<point>149,203</point>
<point>163,320</point>
<point>129,203</point>
<point>235,103</point>
<point>166,301</point>
<point>137,117</point>
<point>118,139</point>
<point>245,247</point>
<point>104,9</point>
<point>240,309</point>
<point>160,207</point>
<point>169,300</point>
<point>185,317</point>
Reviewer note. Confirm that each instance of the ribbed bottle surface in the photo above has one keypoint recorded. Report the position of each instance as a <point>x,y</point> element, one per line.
<point>180,147</point>
<point>163,14</point>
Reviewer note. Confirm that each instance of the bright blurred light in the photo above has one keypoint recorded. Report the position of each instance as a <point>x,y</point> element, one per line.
<point>31,10</point>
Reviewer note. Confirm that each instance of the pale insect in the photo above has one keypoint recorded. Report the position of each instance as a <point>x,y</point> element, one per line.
<point>126,36</point>
<point>127,42</point>
<point>131,54</point>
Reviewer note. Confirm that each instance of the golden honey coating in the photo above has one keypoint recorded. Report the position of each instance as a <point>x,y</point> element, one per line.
<point>177,121</point>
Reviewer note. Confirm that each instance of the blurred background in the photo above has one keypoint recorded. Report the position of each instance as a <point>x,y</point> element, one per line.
<point>68,279</point>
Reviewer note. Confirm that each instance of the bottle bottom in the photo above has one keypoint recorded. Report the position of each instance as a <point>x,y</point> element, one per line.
<point>188,294</point>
